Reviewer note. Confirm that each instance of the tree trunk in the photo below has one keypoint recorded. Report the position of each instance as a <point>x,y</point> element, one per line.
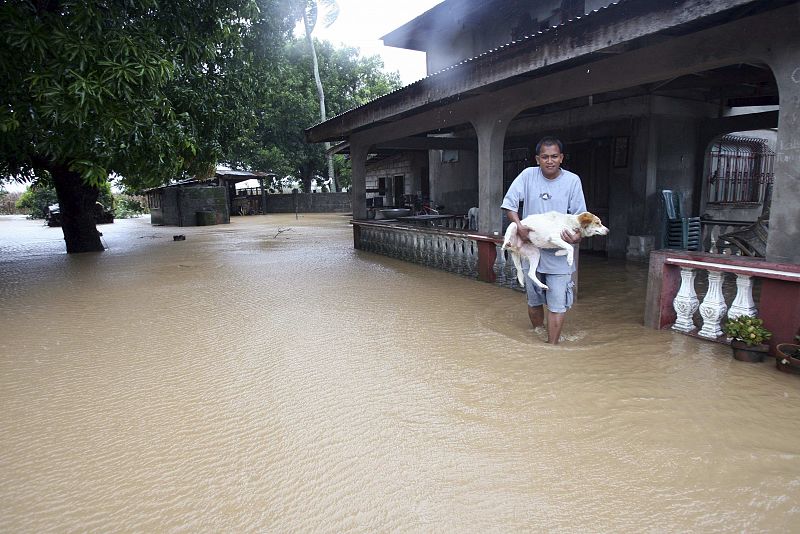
<point>76,202</point>
<point>321,95</point>
<point>305,179</point>
<point>334,185</point>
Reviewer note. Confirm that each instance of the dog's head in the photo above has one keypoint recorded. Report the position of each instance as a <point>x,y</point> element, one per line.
<point>591,225</point>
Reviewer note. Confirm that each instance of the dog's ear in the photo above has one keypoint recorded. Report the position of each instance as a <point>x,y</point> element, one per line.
<point>585,218</point>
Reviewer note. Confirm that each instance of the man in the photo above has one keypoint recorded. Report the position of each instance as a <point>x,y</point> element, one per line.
<point>545,188</point>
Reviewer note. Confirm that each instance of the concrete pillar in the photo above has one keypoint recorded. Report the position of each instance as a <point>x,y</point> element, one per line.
<point>491,133</point>
<point>784,224</point>
<point>358,191</point>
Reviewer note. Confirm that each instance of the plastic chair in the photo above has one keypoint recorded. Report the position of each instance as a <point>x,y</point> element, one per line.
<point>683,233</point>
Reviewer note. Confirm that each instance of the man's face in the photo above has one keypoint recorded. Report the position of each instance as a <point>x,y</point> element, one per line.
<point>549,159</point>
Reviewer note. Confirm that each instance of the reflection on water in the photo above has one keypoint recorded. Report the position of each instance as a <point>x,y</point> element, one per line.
<point>265,376</point>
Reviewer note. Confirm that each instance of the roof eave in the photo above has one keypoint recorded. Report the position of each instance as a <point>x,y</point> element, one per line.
<point>545,52</point>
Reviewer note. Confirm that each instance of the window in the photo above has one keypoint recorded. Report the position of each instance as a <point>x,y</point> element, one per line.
<point>739,169</point>
<point>449,156</point>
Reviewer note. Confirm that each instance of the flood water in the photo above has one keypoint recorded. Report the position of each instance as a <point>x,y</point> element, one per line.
<point>264,376</point>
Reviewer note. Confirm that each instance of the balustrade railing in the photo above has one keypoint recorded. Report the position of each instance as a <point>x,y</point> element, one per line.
<point>673,300</point>
<point>451,251</point>
<point>461,252</point>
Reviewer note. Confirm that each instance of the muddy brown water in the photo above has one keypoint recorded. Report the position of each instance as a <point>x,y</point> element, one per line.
<point>264,376</point>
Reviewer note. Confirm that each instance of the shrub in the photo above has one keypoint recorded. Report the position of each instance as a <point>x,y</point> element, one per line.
<point>129,206</point>
<point>35,200</point>
<point>747,329</point>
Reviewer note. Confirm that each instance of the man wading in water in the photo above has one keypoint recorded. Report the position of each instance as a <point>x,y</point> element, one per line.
<point>545,188</point>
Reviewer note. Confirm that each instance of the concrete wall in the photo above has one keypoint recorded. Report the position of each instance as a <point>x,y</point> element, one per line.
<point>454,184</point>
<point>179,205</point>
<point>676,166</point>
<point>309,203</point>
<point>412,166</point>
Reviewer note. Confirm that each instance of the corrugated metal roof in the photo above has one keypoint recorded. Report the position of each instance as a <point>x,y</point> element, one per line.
<point>430,90</point>
<point>523,40</point>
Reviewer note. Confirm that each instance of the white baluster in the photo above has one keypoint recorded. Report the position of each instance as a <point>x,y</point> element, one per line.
<point>458,255</point>
<point>713,307</point>
<point>449,253</point>
<point>395,252</point>
<point>471,254</point>
<point>686,302</point>
<point>510,270</point>
<point>428,249</point>
<point>499,265</point>
<point>743,304</point>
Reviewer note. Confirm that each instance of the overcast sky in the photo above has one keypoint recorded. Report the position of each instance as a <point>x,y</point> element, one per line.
<point>361,24</point>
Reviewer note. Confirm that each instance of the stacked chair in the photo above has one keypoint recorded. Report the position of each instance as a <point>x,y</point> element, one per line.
<point>680,232</point>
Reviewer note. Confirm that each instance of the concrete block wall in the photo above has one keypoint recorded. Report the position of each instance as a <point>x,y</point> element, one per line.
<point>455,185</point>
<point>179,206</point>
<point>309,203</point>
<point>408,165</point>
<point>194,199</point>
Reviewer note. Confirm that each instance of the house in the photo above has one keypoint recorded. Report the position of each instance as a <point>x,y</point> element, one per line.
<point>195,202</point>
<point>640,91</point>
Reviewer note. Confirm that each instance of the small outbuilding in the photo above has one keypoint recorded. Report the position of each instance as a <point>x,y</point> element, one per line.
<point>196,202</point>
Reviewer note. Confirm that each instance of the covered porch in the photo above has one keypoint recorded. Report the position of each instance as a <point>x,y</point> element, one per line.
<point>638,92</point>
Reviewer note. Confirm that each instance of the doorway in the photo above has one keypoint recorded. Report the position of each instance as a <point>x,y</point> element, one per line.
<point>591,159</point>
<point>398,190</point>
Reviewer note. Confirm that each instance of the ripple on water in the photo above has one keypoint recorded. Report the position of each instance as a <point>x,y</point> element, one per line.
<point>247,379</point>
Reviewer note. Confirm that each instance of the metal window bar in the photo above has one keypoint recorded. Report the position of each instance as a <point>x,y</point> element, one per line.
<point>739,169</point>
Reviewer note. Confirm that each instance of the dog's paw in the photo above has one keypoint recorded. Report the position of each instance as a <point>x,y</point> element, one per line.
<point>544,287</point>
<point>561,252</point>
<point>570,260</point>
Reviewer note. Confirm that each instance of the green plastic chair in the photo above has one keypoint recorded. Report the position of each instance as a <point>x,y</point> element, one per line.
<point>682,233</point>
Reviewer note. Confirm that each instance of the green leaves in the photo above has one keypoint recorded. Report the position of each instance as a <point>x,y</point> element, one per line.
<point>747,329</point>
<point>145,89</point>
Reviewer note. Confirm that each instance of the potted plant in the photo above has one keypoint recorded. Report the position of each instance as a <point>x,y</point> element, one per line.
<point>748,335</point>
<point>788,359</point>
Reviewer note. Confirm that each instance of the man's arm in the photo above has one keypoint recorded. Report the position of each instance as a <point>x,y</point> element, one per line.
<point>522,231</point>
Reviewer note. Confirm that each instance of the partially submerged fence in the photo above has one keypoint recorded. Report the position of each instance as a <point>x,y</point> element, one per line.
<point>673,302</point>
<point>457,251</point>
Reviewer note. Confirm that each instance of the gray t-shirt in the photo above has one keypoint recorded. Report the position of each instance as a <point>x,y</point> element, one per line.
<point>563,194</point>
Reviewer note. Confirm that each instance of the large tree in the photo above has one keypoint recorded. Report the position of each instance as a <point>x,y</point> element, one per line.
<point>144,89</point>
<point>289,105</point>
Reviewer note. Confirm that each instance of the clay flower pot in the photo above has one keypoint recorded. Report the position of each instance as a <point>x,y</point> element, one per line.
<point>749,353</point>
<point>788,358</point>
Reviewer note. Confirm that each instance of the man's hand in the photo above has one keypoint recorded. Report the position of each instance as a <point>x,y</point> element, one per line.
<point>522,232</point>
<point>571,237</point>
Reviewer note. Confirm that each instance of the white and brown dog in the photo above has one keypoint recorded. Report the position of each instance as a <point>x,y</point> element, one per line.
<point>545,231</point>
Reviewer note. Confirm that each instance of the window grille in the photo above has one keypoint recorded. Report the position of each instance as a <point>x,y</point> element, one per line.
<point>739,169</point>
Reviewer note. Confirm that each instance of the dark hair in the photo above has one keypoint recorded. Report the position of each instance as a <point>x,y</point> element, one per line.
<point>549,141</point>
